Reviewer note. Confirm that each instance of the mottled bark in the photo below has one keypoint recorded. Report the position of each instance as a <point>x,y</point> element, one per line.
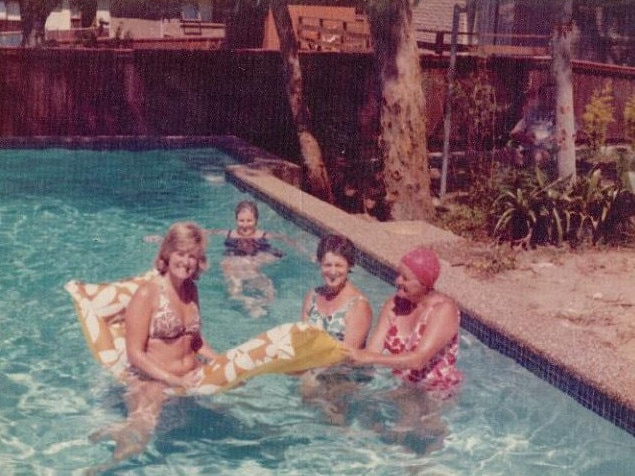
<point>403,129</point>
<point>317,181</point>
<point>33,14</point>
<point>562,73</point>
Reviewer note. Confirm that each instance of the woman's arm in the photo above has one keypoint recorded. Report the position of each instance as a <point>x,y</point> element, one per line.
<point>207,352</point>
<point>289,241</point>
<point>306,304</point>
<point>216,231</point>
<point>378,335</point>
<point>441,328</point>
<point>358,321</point>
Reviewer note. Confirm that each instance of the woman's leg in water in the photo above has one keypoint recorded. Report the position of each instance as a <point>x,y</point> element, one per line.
<point>144,400</point>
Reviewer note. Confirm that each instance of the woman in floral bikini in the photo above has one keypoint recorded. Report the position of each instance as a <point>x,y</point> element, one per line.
<point>164,343</point>
<point>417,331</point>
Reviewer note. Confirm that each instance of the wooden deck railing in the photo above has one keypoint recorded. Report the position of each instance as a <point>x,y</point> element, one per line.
<point>481,43</point>
<point>322,34</point>
<point>196,27</point>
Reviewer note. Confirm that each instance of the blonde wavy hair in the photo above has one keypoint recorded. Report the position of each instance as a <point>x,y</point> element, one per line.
<point>183,236</point>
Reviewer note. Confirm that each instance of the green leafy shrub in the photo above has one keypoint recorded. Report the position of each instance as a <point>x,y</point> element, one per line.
<point>469,216</point>
<point>531,211</point>
<point>598,114</point>
<point>527,210</point>
<point>464,220</point>
<point>629,120</point>
<point>625,169</point>
<point>589,205</point>
<point>476,112</point>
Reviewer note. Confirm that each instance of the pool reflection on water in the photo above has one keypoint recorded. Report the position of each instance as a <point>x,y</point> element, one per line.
<point>74,214</point>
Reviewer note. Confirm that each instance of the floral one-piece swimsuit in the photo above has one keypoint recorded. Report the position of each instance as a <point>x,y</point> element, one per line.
<point>334,323</point>
<point>437,375</point>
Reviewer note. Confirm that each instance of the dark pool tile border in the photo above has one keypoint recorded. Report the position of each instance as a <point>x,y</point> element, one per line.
<point>584,393</point>
<point>133,143</point>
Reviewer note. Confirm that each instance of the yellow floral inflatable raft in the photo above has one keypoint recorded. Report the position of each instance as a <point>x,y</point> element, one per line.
<point>287,348</point>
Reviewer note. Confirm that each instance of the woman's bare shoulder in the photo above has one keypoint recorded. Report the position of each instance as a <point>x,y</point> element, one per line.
<point>444,304</point>
<point>149,289</point>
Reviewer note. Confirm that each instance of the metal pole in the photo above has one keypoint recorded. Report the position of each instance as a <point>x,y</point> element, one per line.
<point>447,118</point>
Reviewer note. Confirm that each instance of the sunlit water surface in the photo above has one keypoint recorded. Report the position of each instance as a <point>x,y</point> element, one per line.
<point>82,215</point>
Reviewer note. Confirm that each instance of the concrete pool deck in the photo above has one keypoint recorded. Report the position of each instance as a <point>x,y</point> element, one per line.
<point>564,356</point>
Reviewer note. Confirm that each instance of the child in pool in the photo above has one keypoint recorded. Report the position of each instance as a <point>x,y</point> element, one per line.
<point>247,239</point>
<point>247,249</point>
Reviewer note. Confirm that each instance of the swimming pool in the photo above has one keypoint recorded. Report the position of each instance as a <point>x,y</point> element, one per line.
<point>75,214</point>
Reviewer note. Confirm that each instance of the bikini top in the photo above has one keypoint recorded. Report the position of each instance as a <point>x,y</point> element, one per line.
<point>334,323</point>
<point>238,246</point>
<point>166,325</point>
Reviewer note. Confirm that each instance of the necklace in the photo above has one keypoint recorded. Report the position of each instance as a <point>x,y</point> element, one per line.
<point>330,293</point>
<point>403,306</point>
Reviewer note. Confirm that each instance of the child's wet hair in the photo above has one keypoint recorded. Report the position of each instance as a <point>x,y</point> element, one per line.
<point>247,205</point>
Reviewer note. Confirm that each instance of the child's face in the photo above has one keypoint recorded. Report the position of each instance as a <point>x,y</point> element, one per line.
<point>246,222</point>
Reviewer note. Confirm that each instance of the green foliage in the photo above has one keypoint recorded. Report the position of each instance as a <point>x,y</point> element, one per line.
<point>464,220</point>
<point>476,110</point>
<point>625,167</point>
<point>526,210</point>
<point>598,114</point>
<point>533,211</point>
<point>469,216</point>
<point>629,120</point>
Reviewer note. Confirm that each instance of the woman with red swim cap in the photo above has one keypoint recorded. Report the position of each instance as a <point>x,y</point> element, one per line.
<point>417,331</point>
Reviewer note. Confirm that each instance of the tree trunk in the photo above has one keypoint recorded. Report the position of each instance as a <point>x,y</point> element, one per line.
<point>245,28</point>
<point>317,181</point>
<point>33,15</point>
<point>561,70</point>
<point>402,140</point>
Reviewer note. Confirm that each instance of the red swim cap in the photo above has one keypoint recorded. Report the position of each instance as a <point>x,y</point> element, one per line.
<point>424,263</point>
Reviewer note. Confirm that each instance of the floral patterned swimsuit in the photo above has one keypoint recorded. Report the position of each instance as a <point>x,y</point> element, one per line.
<point>440,373</point>
<point>335,323</point>
<point>165,323</point>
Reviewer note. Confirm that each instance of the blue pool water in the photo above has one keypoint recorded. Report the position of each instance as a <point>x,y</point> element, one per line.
<point>82,215</point>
